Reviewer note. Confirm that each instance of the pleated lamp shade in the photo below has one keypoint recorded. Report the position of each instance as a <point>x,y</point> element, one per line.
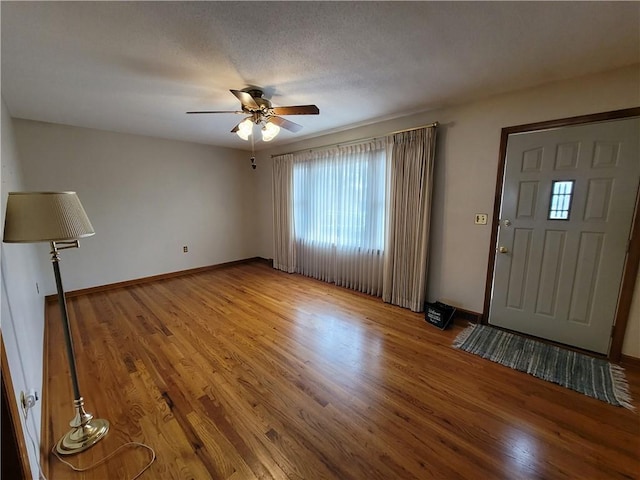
<point>45,217</point>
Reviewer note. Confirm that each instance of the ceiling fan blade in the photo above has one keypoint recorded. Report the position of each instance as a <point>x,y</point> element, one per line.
<point>297,110</point>
<point>245,99</point>
<point>236,128</point>
<point>216,111</point>
<point>286,124</point>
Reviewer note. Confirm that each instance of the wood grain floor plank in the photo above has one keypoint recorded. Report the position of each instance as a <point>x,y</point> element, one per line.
<point>248,373</point>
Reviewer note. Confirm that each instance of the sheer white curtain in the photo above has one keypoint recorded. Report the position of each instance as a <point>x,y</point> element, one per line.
<point>284,255</point>
<point>338,206</point>
<point>411,155</point>
<point>359,215</point>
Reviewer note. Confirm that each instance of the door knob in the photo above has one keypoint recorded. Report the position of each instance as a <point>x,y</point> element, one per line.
<point>503,249</point>
<point>507,223</point>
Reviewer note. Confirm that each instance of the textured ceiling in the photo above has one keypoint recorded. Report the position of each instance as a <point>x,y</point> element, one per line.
<point>136,67</point>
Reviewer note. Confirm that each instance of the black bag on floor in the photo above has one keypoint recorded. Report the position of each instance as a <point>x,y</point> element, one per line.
<point>439,314</point>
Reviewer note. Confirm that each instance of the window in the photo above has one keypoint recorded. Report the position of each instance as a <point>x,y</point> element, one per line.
<point>339,198</point>
<point>561,195</point>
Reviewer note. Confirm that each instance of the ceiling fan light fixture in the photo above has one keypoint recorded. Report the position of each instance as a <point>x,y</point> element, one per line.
<point>245,128</point>
<point>262,113</point>
<point>269,131</point>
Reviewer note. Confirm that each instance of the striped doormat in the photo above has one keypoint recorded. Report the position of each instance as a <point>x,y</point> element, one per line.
<point>591,376</point>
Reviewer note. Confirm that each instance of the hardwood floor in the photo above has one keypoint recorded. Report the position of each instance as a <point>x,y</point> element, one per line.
<point>250,373</point>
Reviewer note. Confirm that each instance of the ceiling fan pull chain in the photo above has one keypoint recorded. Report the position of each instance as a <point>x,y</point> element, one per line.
<point>253,154</point>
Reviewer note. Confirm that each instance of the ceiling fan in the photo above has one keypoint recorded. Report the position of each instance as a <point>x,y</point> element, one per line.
<point>261,112</point>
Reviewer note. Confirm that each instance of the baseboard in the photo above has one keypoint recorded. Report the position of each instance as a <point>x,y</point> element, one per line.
<point>155,278</point>
<point>630,361</point>
<point>468,315</point>
<point>267,261</point>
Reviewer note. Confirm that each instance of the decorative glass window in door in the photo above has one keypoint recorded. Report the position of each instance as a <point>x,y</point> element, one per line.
<point>560,205</point>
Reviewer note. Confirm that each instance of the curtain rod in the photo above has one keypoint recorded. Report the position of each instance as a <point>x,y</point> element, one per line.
<point>349,142</point>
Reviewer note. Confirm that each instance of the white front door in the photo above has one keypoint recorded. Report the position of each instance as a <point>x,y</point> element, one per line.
<point>567,205</point>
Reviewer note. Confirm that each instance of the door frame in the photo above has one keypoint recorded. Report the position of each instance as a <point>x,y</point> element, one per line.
<point>16,448</point>
<point>630,272</point>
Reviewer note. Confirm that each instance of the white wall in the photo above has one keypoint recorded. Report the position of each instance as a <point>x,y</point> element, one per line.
<point>22,312</point>
<point>466,172</point>
<point>146,198</point>
<point>631,345</point>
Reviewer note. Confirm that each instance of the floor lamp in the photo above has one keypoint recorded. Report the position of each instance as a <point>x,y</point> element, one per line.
<point>57,218</point>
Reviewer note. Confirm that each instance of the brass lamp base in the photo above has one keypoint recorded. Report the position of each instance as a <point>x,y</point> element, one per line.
<point>78,439</point>
<point>85,431</point>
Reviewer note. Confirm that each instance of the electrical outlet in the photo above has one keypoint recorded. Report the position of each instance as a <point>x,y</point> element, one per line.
<point>185,249</point>
<point>481,219</point>
<point>28,400</point>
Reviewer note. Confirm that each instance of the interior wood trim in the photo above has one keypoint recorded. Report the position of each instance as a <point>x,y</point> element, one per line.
<point>497,202</point>
<point>579,120</point>
<point>266,261</point>
<point>14,415</point>
<point>468,315</point>
<point>633,257</point>
<point>627,360</point>
<point>155,278</point>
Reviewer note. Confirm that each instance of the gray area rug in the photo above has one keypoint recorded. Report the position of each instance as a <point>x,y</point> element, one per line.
<point>591,376</point>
